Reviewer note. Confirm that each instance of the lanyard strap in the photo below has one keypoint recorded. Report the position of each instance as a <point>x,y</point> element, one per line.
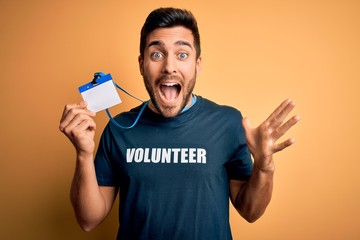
<point>136,120</point>
<point>100,74</point>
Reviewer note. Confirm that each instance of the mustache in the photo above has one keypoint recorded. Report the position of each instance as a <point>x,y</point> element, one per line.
<point>168,77</point>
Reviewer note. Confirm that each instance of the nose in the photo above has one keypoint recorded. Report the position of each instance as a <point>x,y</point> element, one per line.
<point>169,66</point>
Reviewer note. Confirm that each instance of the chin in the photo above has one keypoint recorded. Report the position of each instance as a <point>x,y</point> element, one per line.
<point>170,112</point>
<point>167,111</point>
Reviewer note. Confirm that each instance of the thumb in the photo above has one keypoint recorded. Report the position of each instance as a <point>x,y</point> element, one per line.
<point>246,124</point>
<point>248,130</point>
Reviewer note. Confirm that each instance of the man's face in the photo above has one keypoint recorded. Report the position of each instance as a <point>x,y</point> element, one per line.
<point>169,68</point>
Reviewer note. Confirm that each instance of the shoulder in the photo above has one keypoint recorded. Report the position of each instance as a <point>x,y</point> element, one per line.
<point>223,110</point>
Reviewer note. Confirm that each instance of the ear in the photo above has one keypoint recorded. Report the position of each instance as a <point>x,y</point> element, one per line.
<point>198,66</point>
<point>141,65</point>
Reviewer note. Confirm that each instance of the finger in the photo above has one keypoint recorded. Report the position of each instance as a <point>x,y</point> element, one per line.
<point>70,106</point>
<point>71,111</point>
<point>283,145</point>
<point>280,113</point>
<point>280,131</point>
<point>76,122</point>
<point>86,124</point>
<point>82,133</point>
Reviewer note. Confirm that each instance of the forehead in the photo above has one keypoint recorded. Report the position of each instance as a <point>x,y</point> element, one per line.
<point>170,36</point>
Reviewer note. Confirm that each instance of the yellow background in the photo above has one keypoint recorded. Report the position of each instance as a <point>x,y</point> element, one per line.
<point>255,54</point>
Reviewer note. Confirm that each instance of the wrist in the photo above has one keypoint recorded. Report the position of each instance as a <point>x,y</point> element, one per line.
<point>83,156</point>
<point>266,165</point>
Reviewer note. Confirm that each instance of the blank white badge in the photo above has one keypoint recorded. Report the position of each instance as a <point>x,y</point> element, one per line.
<point>100,95</point>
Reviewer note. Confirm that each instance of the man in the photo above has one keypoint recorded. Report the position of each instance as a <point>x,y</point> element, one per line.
<point>176,169</point>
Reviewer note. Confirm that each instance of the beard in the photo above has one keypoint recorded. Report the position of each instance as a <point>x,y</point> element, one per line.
<point>169,111</point>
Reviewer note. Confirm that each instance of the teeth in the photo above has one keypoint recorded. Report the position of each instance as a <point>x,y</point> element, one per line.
<point>169,84</point>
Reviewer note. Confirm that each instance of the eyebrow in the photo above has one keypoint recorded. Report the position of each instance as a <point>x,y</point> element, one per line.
<point>160,43</point>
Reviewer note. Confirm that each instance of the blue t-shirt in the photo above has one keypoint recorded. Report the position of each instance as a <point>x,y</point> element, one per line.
<point>173,173</point>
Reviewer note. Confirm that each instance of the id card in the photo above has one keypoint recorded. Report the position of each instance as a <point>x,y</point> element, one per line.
<point>101,95</point>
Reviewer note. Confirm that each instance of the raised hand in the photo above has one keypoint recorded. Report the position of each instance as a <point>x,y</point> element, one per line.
<point>78,125</point>
<point>262,141</point>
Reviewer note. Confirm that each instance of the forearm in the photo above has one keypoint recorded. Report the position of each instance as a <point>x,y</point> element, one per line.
<point>86,198</point>
<point>254,197</point>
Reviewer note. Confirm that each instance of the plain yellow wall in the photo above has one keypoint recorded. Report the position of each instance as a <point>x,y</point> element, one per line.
<point>255,54</point>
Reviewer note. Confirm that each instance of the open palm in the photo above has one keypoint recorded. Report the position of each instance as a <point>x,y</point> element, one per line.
<point>262,141</point>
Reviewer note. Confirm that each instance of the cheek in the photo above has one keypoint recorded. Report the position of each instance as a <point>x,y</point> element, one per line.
<point>151,70</point>
<point>189,73</point>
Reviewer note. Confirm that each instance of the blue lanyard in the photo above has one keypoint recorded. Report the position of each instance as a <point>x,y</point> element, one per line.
<point>136,120</point>
<point>100,74</point>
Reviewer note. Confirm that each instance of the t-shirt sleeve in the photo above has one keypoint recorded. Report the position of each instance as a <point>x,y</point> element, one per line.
<point>103,161</point>
<point>239,166</point>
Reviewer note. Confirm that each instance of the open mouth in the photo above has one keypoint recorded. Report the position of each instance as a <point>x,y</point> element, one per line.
<point>170,91</point>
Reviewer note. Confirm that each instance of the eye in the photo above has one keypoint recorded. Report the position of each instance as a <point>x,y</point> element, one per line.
<point>183,55</point>
<point>156,55</point>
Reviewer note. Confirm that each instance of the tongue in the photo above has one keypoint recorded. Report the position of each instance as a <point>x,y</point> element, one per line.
<point>170,92</point>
